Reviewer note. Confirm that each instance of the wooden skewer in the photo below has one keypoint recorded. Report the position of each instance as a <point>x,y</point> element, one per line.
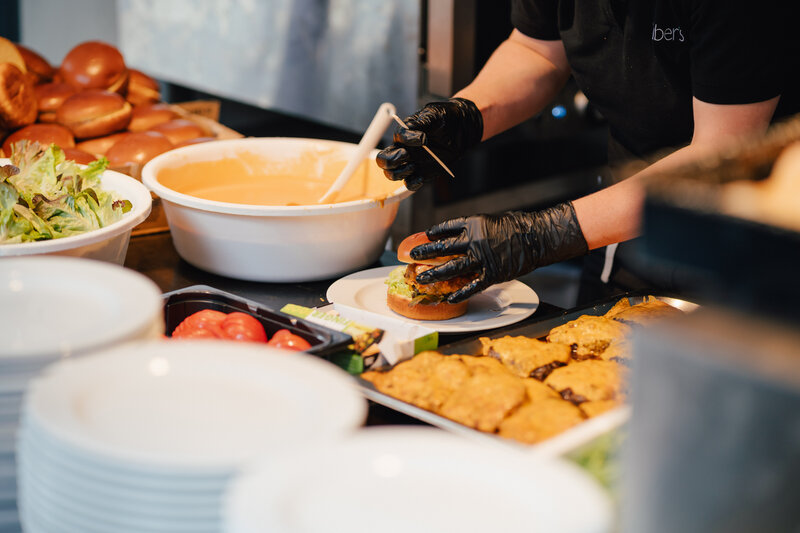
<point>400,121</point>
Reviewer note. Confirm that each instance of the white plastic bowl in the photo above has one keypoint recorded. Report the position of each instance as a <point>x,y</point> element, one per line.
<point>105,244</point>
<point>272,243</point>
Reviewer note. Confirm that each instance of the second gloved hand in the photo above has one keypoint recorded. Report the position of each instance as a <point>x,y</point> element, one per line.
<point>501,247</point>
<point>448,128</point>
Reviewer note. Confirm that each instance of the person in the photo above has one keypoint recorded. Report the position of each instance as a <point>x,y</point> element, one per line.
<point>685,76</point>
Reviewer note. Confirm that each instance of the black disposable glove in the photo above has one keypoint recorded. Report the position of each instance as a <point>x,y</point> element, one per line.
<point>501,247</point>
<point>448,128</point>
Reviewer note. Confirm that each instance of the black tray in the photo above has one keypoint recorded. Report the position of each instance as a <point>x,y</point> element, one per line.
<point>181,303</point>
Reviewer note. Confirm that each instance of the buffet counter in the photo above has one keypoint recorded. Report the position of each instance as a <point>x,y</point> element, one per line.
<point>154,256</point>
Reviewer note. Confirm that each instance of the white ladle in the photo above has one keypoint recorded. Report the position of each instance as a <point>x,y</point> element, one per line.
<point>377,127</point>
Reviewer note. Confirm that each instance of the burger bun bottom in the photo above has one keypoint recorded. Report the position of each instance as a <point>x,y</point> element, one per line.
<point>439,311</point>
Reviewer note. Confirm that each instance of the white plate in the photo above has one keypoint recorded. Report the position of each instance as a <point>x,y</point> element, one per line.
<point>497,306</point>
<point>49,497</point>
<point>102,483</point>
<point>426,481</point>
<point>218,404</point>
<point>64,305</point>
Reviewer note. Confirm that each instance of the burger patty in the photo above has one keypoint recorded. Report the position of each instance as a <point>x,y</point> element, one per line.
<point>437,288</point>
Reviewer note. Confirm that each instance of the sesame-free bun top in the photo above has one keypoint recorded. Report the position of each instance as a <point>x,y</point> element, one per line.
<point>94,65</point>
<point>411,242</point>
<point>39,69</point>
<point>196,140</point>
<point>44,134</point>
<point>17,99</point>
<point>79,156</point>
<point>142,89</point>
<point>100,145</point>
<point>180,129</point>
<point>49,97</point>
<point>94,113</point>
<point>147,116</point>
<point>138,148</point>
<point>9,53</point>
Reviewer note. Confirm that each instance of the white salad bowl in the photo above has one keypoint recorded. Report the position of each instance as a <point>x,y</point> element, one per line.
<point>109,243</point>
<point>274,243</point>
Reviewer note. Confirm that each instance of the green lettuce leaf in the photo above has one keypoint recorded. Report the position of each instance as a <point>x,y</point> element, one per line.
<point>45,196</point>
<point>397,283</point>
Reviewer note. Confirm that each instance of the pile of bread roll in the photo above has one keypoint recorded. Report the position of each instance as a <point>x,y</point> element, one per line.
<point>91,105</point>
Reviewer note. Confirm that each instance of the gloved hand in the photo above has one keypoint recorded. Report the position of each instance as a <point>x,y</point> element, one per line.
<point>501,247</point>
<point>448,128</point>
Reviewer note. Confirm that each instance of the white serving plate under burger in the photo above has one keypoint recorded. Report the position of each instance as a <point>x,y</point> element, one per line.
<point>251,240</point>
<point>109,243</point>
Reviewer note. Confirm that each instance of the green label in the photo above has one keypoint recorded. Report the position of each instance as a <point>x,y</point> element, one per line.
<point>428,342</point>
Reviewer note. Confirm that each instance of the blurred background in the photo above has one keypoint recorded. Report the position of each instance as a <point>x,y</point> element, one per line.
<point>320,68</point>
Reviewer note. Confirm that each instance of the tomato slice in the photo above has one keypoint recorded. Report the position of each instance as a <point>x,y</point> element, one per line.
<point>287,340</point>
<point>207,320</point>
<point>243,327</point>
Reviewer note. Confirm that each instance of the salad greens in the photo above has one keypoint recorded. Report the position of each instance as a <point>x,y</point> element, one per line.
<point>601,458</point>
<point>397,282</point>
<point>397,285</point>
<point>45,196</point>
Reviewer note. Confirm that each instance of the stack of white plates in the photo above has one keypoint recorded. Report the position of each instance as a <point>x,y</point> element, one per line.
<point>56,307</point>
<point>145,438</point>
<point>396,480</point>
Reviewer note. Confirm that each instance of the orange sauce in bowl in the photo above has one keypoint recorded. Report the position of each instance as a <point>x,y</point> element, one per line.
<point>252,179</point>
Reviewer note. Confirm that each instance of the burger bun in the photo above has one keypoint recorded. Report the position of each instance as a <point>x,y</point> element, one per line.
<point>101,145</point>
<point>17,99</point>
<point>179,130</point>
<point>49,97</point>
<point>39,69</point>
<point>44,134</point>
<point>95,65</point>
<point>138,148</point>
<point>411,242</point>
<point>94,113</point>
<point>79,156</point>
<point>403,305</point>
<point>144,117</point>
<point>142,89</point>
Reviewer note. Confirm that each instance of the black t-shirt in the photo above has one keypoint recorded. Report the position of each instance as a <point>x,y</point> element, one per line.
<point>640,62</point>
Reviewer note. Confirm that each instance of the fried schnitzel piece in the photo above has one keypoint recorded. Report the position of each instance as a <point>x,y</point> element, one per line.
<point>591,409</point>
<point>526,356</point>
<point>621,305</point>
<point>478,364</point>
<point>438,288</point>
<point>589,335</point>
<point>619,351</point>
<point>647,312</point>
<point>535,390</point>
<point>426,380</point>
<point>484,400</point>
<point>589,381</point>
<point>536,421</point>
